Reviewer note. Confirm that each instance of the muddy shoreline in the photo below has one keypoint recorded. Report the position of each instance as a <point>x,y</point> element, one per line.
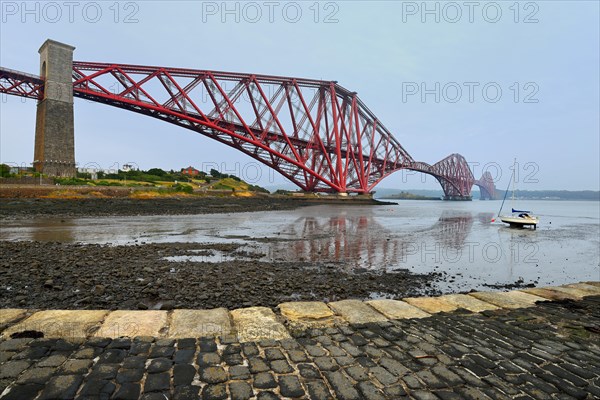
<point>11,208</point>
<point>52,275</point>
<point>88,276</point>
<point>39,207</point>
<point>77,276</point>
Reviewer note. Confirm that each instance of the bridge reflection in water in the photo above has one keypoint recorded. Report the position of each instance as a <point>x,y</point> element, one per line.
<point>361,241</point>
<point>352,240</point>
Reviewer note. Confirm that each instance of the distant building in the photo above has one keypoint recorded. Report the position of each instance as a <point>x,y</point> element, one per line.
<point>127,167</point>
<point>190,171</point>
<point>18,170</point>
<point>92,171</point>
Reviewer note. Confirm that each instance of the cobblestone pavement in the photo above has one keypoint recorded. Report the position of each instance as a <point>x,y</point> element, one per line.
<point>550,351</point>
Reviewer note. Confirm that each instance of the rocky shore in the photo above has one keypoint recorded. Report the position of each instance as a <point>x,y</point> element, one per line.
<point>91,207</point>
<point>77,276</point>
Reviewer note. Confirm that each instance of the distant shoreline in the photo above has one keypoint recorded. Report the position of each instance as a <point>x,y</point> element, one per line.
<point>556,195</point>
<point>477,199</point>
<point>410,198</point>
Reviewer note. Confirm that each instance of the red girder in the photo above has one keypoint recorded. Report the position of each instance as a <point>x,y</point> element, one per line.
<point>487,186</point>
<point>21,84</point>
<point>454,175</point>
<point>316,133</point>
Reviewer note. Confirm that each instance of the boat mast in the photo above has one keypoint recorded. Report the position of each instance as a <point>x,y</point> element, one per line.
<point>506,192</point>
<point>513,178</point>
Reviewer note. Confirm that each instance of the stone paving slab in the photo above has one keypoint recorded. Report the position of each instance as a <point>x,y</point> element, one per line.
<point>394,309</point>
<point>305,310</point>
<point>356,312</point>
<point>60,323</point>
<point>127,323</point>
<point>9,315</point>
<point>577,294</point>
<point>512,299</point>
<point>199,323</point>
<point>468,302</point>
<point>552,293</point>
<point>257,323</point>
<point>592,289</point>
<point>254,323</point>
<point>431,304</point>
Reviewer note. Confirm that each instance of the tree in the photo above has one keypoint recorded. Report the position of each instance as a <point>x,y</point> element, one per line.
<point>156,171</point>
<point>4,170</point>
<point>214,173</point>
<point>84,175</point>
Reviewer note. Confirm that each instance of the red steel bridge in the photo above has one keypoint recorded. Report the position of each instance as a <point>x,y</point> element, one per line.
<point>316,133</point>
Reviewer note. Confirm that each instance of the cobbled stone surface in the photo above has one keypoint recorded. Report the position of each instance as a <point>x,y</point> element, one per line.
<point>550,351</point>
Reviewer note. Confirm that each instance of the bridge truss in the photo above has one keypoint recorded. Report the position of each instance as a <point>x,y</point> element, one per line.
<point>316,133</point>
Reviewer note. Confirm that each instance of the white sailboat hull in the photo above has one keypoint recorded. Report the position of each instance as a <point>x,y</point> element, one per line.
<point>520,221</point>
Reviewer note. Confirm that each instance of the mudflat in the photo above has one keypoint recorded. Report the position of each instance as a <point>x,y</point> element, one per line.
<point>123,206</point>
<point>90,276</point>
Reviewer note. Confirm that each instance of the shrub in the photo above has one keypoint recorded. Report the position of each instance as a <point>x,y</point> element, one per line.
<point>84,175</point>
<point>156,171</point>
<point>183,188</point>
<point>70,181</point>
<point>222,186</point>
<point>105,183</point>
<point>256,188</point>
<point>5,171</point>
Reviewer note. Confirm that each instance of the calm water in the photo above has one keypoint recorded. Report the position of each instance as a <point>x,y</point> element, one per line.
<point>421,236</point>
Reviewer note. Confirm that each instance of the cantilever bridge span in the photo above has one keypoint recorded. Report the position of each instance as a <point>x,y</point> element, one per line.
<point>316,133</point>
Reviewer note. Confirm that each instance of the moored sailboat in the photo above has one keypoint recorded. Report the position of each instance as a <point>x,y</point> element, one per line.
<point>518,218</point>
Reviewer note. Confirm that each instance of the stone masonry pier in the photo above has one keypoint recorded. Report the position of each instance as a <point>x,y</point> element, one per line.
<point>54,152</point>
<point>540,343</point>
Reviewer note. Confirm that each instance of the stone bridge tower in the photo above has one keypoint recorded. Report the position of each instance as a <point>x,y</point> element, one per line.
<point>54,153</point>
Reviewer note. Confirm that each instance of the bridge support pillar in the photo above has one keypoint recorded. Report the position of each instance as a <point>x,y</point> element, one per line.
<point>54,153</point>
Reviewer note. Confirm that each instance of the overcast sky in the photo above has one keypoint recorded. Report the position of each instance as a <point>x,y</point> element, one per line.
<point>407,64</point>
